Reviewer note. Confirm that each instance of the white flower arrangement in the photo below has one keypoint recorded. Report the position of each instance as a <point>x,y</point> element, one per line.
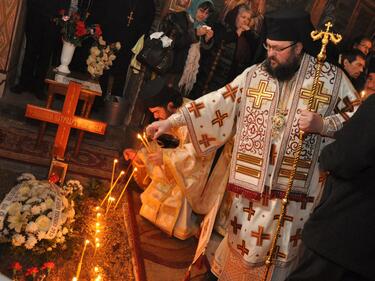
<point>38,215</point>
<point>101,57</point>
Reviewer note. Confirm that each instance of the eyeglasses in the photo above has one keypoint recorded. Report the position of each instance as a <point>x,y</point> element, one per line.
<point>277,49</point>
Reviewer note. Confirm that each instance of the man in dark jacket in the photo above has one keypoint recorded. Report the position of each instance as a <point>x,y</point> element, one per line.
<point>339,236</point>
<point>41,39</point>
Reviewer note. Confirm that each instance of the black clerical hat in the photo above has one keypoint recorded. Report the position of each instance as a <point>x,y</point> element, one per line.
<point>371,66</point>
<point>157,92</point>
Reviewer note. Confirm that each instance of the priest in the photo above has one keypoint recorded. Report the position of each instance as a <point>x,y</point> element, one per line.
<point>181,181</point>
<point>265,107</point>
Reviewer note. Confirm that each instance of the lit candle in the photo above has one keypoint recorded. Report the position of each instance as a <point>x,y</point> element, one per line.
<point>113,186</point>
<point>81,261</point>
<point>113,170</point>
<point>144,143</point>
<point>110,201</point>
<point>126,185</point>
<point>145,138</point>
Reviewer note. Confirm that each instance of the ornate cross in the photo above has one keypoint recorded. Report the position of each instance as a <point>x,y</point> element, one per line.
<point>296,237</point>
<point>66,120</point>
<point>306,199</point>
<point>195,108</point>
<point>206,140</point>
<point>130,18</point>
<point>235,225</point>
<point>260,94</point>
<point>249,210</point>
<point>285,218</point>
<point>260,236</point>
<point>231,92</point>
<point>319,97</point>
<point>244,250</point>
<point>326,36</point>
<point>219,118</point>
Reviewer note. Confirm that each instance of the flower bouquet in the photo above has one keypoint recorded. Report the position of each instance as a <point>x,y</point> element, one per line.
<point>101,57</point>
<point>37,215</point>
<point>32,273</point>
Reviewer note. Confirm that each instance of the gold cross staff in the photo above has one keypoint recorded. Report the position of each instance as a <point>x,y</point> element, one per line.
<point>326,36</point>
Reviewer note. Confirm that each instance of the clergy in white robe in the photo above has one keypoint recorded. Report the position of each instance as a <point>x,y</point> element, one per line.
<point>265,107</point>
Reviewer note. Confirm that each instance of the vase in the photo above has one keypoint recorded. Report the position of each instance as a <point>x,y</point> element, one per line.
<point>66,57</point>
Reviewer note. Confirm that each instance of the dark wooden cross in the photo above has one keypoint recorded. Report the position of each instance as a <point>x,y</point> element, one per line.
<point>249,210</point>
<point>260,236</point>
<point>235,225</point>
<point>219,118</point>
<point>244,250</point>
<point>231,92</point>
<point>66,120</point>
<point>130,18</point>
<point>285,218</point>
<point>296,237</point>
<point>195,108</point>
<point>206,140</point>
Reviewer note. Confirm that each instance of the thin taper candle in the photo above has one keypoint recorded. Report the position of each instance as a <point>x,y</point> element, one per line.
<point>126,185</point>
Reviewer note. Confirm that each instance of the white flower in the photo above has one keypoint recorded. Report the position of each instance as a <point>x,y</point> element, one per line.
<point>30,242</point>
<point>59,234</point>
<point>18,239</point>
<point>43,223</point>
<point>14,208</point>
<point>41,235</point>
<point>25,176</point>
<point>26,207</point>
<point>65,18</point>
<point>60,240</point>
<point>17,221</point>
<point>43,206</point>
<point>65,231</point>
<point>32,227</point>
<point>65,202</point>
<point>24,190</point>
<point>35,210</point>
<point>5,231</point>
<point>49,203</point>
<point>50,214</point>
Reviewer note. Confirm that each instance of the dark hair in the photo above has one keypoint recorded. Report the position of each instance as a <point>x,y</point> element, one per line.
<point>207,6</point>
<point>174,96</point>
<point>357,40</point>
<point>352,56</point>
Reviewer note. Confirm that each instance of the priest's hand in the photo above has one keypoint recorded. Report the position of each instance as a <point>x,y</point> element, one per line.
<point>310,122</point>
<point>156,158</point>
<point>158,128</point>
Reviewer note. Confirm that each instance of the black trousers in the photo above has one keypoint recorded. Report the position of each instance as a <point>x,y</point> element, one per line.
<point>41,40</point>
<point>313,267</point>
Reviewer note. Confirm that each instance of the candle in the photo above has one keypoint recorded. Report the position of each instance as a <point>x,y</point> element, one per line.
<point>110,201</point>
<point>144,143</point>
<point>81,260</point>
<point>112,187</point>
<point>145,138</point>
<point>113,170</point>
<point>123,190</point>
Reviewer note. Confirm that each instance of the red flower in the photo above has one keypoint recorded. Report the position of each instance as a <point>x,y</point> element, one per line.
<point>48,265</point>
<point>80,29</point>
<point>16,266</point>
<point>32,271</point>
<point>98,31</point>
<point>54,178</point>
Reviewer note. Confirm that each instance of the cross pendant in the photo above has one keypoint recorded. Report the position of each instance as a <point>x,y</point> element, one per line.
<point>130,18</point>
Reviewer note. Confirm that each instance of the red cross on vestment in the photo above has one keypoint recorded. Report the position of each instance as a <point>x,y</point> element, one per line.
<point>206,140</point>
<point>296,237</point>
<point>260,236</point>
<point>235,225</point>
<point>66,120</point>
<point>266,196</point>
<point>231,92</point>
<point>249,210</point>
<point>242,247</point>
<point>285,218</point>
<point>279,254</point>
<point>304,200</point>
<point>194,107</point>
<point>219,118</point>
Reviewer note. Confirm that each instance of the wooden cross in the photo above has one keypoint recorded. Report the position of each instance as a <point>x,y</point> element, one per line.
<point>244,250</point>
<point>319,98</point>
<point>231,92</point>
<point>206,140</point>
<point>219,118</point>
<point>285,218</point>
<point>266,196</point>
<point>260,236</point>
<point>296,237</point>
<point>235,225</point>
<point>65,120</point>
<point>130,18</point>
<point>260,94</point>
<point>195,108</point>
<point>249,210</point>
<point>306,199</point>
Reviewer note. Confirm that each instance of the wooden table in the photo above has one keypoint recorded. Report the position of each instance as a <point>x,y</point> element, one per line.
<point>58,84</point>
